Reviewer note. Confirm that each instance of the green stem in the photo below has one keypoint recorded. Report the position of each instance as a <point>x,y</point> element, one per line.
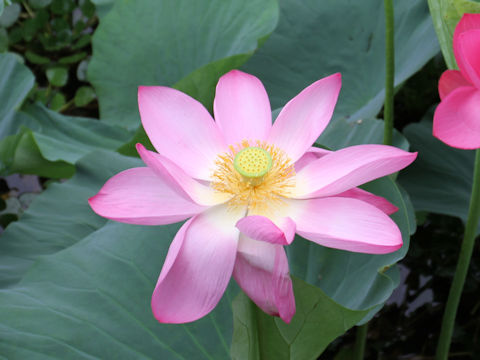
<point>361,336</point>
<point>360,341</point>
<point>66,106</point>
<point>466,250</point>
<point>389,72</point>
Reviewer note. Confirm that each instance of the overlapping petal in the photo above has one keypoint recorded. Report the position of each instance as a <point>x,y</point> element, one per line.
<point>139,196</point>
<point>258,227</point>
<point>467,23</point>
<point>457,119</point>
<point>312,154</point>
<point>261,270</point>
<point>303,118</point>
<point>379,202</point>
<point>241,107</point>
<point>179,180</point>
<point>469,50</point>
<point>347,168</point>
<point>198,267</point>
<point>347,224</point>
<point>449,81</point>
<point>180,129</point>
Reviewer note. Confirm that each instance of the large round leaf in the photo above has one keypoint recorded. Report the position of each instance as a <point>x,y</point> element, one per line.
<point>59,217</point>
<point>161,42</point>
<point>48,143</point>
<point>317,322</point>
<point>17,80</point>
<point>93,298</point>
<point>319,38</point>
<point>440,180</point>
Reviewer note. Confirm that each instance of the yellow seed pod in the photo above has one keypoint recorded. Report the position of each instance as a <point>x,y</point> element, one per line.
<point>253,163</point>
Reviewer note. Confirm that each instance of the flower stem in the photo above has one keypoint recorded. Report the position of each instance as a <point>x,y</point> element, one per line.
<point>466,250</point>
<point>389,72</point>
<point>360,341</point>
<point>361,335</point>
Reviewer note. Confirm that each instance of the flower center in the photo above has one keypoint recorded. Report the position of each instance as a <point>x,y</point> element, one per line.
<point>253,163</point>
<point>257,175</point>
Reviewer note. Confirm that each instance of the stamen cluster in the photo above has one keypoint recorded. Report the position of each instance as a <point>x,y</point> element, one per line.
<point>255,197</point>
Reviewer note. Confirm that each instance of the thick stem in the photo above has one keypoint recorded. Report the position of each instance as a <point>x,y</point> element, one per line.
<point>466,250</point>
<point>361,336</point>
<point>360,341</point>
<point>389,72</point>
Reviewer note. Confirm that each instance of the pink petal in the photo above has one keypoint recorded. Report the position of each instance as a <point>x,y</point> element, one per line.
<point>347,224</point>
<point>379,202</point>
<point>313,154</point>
<point>197,268</point>
<point>468,22</point>
<point>179,180</point>
<point>262,228</point>
<point>304,117</point>
<point>261,270</point>
<point>469,51</point>
<point>347,168</point>
<point>139,196</point>
<point>181,129</point>
<point>241,107</point>
<point>449,81</point>
<point>457,119</point>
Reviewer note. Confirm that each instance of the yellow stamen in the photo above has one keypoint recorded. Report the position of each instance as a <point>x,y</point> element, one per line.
<point>257,177</point>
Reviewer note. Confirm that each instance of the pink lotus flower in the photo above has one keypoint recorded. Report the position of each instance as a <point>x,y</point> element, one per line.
<point>457,118</point>
<point>248,187</point>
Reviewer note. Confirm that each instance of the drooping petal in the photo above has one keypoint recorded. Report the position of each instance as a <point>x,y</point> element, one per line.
<point>241,107</point>
<point>347,224</point>
<point>457,119</point>
<point>197,268</point>
<point>312,154</point>
<point>347,168</point>
<point>261,228</point>
<point>303,118</point>
<point>468,22</point>
<point>469,51</point>
<point>261,270</point>
<point>449,81</point>
<point>180,180</point>
<point>379,202</point>
<point>139,196</point>
<point>181,129</point>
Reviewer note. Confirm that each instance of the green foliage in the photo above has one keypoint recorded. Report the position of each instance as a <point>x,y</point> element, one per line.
<point>103,6</point>
<point>57,76</point>
<point>3,40</point>
<point>317,322</point>
<point>84,95</point>
<point>10,15</point>
<point>440,180</point>
<point>106,254</point>
<point>49,34</point>
<point>77,286</point>
<point>319,38</point>
<point>17,81</point>
<point>105,268</point>
<point>36,59</point>
<point>178,43</point>
<point>49,144</point>
<point>445,15</point>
